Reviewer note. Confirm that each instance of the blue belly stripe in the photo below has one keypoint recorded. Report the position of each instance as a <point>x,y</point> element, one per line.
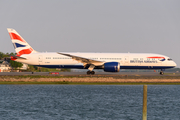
<point>121,67</point>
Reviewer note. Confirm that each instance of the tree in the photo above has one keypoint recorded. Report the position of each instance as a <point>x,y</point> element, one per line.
<point>1,55</point>
<point>11,53</point>
<point>15,64</point>
<point>32,68</point>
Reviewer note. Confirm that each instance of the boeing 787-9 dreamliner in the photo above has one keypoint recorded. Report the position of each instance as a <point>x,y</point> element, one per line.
<point>109,62</point>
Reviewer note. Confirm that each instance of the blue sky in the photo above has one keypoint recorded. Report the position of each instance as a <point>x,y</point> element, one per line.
<point>135,26</point>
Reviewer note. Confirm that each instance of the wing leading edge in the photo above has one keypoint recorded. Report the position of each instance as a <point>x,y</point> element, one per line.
<point>85,61</point>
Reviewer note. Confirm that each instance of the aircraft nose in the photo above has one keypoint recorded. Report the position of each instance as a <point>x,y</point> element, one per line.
<point>174,64</point>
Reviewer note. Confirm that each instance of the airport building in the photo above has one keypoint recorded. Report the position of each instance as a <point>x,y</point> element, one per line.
<point>4,66</point>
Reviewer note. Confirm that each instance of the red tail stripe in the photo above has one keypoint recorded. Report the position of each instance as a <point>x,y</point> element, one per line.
<point>24,51</point>
<point>15,36</point>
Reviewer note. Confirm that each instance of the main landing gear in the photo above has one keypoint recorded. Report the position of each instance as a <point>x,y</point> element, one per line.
<point>90,72</point>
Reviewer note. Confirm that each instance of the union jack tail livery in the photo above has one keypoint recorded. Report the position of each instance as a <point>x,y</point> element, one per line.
<point>20,45</point>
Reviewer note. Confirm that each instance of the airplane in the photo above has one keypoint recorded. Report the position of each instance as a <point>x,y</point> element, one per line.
<point>109,62</point>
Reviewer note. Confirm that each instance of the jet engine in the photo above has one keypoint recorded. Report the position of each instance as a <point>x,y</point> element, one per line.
<point>112,67</point>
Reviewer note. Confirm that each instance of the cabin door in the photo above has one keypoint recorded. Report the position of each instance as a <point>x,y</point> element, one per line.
<point>126,59</point>
<point>40,59</point>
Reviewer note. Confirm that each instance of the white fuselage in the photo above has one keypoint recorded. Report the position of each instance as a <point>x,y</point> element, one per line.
<point>126,60</point>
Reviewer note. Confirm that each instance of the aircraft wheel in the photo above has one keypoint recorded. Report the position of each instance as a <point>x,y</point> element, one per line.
<point>92,72</point>
<point>161,73</point>
<point>88,72</point>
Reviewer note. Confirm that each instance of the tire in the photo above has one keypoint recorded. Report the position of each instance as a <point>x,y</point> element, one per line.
<point>88,72</point>
<point>92,72</point>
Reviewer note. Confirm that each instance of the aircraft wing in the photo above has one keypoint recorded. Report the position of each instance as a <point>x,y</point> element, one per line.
<point>83,60</point>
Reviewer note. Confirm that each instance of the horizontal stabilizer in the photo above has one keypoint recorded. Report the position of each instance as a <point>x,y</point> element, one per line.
<point>17,57</point>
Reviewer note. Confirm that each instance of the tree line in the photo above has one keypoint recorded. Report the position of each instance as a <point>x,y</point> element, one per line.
<point>7,57</point>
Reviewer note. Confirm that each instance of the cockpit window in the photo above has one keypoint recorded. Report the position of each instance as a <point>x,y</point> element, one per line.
<point>169,59</point>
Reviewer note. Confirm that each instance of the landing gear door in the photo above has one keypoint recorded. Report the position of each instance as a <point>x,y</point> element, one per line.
<point>40,59</point>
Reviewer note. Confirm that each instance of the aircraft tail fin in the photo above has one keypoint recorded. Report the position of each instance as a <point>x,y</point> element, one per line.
<point>20,45</point>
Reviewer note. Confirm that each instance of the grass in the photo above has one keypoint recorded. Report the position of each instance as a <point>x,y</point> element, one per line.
<point>87,76</point>
<point>89,83</point>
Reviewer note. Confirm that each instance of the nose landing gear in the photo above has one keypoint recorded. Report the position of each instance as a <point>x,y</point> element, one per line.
<point>161,73</point>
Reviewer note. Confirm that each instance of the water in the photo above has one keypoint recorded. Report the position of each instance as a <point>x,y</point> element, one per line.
<point>87,102</point>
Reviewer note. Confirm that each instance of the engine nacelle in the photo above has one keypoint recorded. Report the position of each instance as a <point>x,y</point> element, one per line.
<point>112,67</point>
